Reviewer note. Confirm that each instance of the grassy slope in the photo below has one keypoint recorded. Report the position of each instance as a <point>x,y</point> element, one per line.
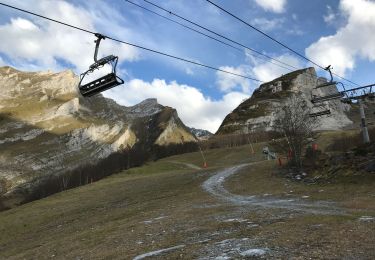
<point>106,219</point>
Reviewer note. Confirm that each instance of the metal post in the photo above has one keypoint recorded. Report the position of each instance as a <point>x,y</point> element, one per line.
<point>366,138</point>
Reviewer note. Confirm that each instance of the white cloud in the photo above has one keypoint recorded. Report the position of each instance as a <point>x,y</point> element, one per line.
<point>268,24</point>
<point>355,40</point>
<point>277,6</point>
<point>228,82</point>
<point>195,109</point>
<point>330,16</point>
<point>267,71</point>
<point>189,71</point>
<point>42,44</point>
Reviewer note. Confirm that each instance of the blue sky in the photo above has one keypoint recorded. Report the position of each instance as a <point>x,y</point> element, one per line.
<point>336,32</point>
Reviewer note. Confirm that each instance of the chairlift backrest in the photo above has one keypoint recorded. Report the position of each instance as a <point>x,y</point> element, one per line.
<point>330,82</point>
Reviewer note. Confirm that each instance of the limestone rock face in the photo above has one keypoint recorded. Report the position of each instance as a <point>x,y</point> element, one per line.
<point>259,111</point>
<point>201,134</point>
<point>47,128</point>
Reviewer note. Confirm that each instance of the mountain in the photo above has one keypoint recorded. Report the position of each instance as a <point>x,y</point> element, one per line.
<point>48,131</point>
<point>201,134</point>
<point>259,111</point>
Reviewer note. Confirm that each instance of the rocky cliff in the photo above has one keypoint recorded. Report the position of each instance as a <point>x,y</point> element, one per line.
<point>201,134</point>
<point>258,112</point>
<point>47,128</point>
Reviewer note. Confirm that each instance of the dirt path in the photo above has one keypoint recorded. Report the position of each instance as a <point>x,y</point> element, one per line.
<point>214,185</point>
<point>189,165</point>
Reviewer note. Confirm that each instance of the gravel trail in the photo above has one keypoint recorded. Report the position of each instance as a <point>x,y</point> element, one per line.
<point>214,185</point>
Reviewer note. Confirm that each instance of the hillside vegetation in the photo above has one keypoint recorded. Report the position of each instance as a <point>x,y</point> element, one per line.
<point>51,137</point>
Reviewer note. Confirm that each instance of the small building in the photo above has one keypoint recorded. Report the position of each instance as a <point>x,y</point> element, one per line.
<point>277,87</point>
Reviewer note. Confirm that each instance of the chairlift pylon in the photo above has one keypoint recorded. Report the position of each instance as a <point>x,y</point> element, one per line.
<point>105,82</point>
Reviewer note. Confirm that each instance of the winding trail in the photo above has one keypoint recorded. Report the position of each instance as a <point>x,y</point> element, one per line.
<point>189,165</point>
<point>214,185</point>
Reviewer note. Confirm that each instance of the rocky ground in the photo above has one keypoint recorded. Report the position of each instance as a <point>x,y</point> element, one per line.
<point>237,208</point>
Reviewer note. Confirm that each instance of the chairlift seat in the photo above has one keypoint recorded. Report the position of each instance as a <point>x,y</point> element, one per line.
<point>99,85</point>
<point>327,84</point>
<point>321,113</point>
<point>326,98</point>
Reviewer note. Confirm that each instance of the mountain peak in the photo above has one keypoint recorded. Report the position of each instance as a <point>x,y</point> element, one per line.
<point>148,106</point>
<point>48,129</point>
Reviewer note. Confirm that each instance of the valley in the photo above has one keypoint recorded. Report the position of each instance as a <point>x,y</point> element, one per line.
<point>207,130</point>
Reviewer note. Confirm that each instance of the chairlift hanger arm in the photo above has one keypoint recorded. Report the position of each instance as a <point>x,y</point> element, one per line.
<point>97,43</point>
<point>328,68</point>
<point>330,82</point>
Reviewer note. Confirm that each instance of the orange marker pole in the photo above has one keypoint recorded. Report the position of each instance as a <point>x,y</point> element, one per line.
<point>204,159</point>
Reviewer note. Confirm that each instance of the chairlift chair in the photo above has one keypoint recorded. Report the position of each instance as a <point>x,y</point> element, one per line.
<point>320,110</point>
<point>315,99</point>
<point>329,83</point>
<point>105,82</point>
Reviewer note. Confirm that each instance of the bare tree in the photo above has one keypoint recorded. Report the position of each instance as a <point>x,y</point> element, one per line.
<point>294,129</point>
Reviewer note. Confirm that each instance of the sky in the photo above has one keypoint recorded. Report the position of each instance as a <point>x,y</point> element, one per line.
<point>330,32</point>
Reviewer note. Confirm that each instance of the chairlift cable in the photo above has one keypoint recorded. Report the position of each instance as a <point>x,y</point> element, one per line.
<point>275,40</point>
<point>132,44</point>
<point>218,34</point>
<point>208,36</point>
<point>45,17</point>
<point>183,59</point>
<point>137,46</point>
<point>269,59</point>
<point>181,24</point>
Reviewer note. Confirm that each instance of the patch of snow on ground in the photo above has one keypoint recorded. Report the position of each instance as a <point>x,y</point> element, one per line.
<point>222,257</point>
<point>231,248</point>
<point>366,218</point>
<point>253,252</point>
<point>239,220</point>
<point>158,252</point>
<point>153,220</point>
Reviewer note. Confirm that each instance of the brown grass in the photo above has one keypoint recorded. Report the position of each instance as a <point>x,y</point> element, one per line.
<point>105,220</point>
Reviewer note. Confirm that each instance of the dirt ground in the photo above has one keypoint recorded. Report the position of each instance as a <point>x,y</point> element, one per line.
<point>237,208</point>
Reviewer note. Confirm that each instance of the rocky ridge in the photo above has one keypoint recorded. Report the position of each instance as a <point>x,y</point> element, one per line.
<point>259,111</point>
<point>47,128</point>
